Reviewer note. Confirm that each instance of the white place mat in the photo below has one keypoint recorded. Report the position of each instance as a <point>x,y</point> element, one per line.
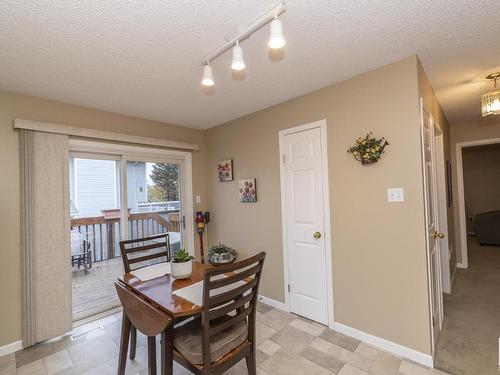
<point>194,292</point>
<point>152,272</point>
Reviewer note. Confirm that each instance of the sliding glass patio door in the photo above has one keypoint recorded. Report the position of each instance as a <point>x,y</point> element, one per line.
<point>95,212</point>
<point>154,201</point>
<point>121,192</point>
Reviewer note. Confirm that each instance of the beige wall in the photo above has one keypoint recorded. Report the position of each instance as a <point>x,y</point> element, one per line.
<point>466,132</point>
<point>379,260</point>
<point>13,105</point>
<point>481,179</point>
<point>432,105</point>
<point>378,248</point>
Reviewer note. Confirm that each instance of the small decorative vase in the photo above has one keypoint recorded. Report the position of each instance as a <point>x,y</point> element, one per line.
<point>182,270</point>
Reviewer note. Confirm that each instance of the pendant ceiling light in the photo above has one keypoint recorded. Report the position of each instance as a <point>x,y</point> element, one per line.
<point>276,40</point>
<point>208,75</point>
<point>490,102</point>
<point>238,62</point>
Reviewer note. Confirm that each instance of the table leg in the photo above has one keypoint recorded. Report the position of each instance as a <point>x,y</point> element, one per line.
<point>152,355</point>
<point>122,359</point>
<point>133,342</point>
<point>167,350</point>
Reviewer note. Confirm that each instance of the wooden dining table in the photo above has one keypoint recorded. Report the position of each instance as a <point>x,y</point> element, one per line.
<point>158,292</point>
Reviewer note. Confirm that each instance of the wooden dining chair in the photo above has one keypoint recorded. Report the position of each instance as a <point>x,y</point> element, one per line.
<point>149,320</point>
<point>141,252</point>
<point>225,333</point>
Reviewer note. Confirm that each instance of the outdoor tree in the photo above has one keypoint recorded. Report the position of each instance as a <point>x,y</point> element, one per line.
<point>156,194</point>
<point>166,178</point>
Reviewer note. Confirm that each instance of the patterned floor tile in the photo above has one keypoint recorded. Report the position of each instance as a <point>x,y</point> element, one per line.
<point>324,360</point>
<point>293,339</point>
<point>57,362</point>
<point>340,339</point>
<point>286,344</point>
<point>286,363</point>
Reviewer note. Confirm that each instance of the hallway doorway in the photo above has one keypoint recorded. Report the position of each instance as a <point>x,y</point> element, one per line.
<point>469,341</point>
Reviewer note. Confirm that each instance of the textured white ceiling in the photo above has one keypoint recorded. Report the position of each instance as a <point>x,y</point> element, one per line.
<point>142,58</point>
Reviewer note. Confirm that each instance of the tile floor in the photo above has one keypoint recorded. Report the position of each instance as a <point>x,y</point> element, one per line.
<point>287,344</point>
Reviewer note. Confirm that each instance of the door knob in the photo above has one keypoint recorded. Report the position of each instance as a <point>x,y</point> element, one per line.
<point>437,234</point>
<point>317,235</point>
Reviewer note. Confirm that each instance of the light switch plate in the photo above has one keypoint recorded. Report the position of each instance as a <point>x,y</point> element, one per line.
<point>198,199</point>
<point>395,195</point>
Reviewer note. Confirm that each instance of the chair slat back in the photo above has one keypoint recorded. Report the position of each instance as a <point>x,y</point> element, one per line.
<point>230,291</point>
<point>140,252</point>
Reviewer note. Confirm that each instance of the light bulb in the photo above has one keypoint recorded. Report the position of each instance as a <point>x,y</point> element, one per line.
<point>238,62</point>
<point>276,40</point>
<point>495,106</point>
<point>208,76</point>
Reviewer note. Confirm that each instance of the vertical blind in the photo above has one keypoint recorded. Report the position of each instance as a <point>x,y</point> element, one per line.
<point>45,236</point>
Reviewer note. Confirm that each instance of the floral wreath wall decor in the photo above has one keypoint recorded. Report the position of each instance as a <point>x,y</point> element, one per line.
<point>368,149</point>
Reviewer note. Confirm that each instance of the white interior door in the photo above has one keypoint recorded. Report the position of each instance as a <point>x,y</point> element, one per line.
<point>444,245</point>
<point>305,224</point>
<point>431,219</point>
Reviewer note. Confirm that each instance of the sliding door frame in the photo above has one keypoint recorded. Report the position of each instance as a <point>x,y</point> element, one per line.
<point>150,154</point>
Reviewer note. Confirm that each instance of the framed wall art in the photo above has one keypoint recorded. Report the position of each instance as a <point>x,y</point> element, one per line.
<point>225,170</point>
<point>247,190</point>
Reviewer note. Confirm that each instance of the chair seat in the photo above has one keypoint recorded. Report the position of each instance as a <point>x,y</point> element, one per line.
<point>187,339</point>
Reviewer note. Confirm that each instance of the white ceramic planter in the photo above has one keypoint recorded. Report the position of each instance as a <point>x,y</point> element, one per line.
<point>182,270</point>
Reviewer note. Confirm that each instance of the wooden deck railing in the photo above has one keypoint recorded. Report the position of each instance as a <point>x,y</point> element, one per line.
<point>103,233</point>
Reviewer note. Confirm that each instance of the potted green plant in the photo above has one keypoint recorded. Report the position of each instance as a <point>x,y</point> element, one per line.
<point>182,265</point>
<point>221,254</point>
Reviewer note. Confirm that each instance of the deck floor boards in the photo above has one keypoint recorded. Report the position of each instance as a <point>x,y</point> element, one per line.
<point>95,291</point>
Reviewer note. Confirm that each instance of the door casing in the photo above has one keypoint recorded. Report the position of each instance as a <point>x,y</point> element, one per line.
<point>322,125</point>
<point>462,230</point>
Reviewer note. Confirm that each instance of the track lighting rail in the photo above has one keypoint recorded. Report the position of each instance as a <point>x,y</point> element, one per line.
<point>250,29</point>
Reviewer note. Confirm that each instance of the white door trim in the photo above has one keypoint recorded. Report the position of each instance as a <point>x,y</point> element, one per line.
<point>321,124</point>
<point>461,195</point>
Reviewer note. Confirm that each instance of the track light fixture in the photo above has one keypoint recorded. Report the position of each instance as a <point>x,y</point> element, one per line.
<point>208,75</point>
<point>276,40</point>
<point>238,62</point>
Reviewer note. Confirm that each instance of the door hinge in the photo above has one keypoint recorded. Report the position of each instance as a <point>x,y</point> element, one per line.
<point>183,222</point>
<point>284,158</point>
<point>288,288</point>
<point>433,321</point>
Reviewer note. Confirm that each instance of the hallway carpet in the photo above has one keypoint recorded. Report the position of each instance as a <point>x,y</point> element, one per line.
<point>468,343</point>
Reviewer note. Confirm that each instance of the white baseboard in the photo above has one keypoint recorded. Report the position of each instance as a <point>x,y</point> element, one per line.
<point>388,346</point>
<point>462,265</point>
<point>11,348</point>
<point>273,303</point>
